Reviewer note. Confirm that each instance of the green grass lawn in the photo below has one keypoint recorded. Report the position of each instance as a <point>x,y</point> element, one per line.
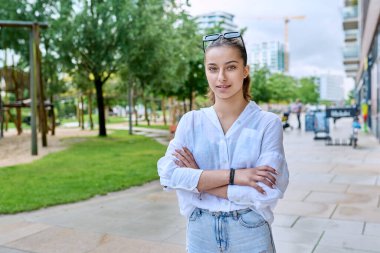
<point>117,119</point>
<point>154,126</point>
<point>109,120</point>
<point>95,166</point>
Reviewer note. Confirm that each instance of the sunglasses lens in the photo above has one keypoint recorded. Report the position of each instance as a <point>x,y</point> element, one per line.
<point>211,37</point>
<point>231,35</point>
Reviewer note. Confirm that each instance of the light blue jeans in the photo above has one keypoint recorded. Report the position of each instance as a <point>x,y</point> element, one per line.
<point>241,231</point>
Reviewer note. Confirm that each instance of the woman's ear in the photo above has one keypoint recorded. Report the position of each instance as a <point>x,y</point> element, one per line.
<point>246,71</point>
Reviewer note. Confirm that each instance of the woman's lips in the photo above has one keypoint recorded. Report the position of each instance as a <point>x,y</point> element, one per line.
<point>223,86</point>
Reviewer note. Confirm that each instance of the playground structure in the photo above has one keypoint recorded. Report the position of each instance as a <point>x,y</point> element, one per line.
<point>27,88</point>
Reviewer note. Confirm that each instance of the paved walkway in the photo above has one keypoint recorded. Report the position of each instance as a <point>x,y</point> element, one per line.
<point>332,206</point>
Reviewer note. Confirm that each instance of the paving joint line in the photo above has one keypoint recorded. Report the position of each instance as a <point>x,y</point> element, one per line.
<point>17,249</point>
<point>307,195</point>
<point>319,240</point>
<point>333,212</point>
<point>294,223</point>
<point>364,227</point>
<point>348,186</point>
<point>331,180</point>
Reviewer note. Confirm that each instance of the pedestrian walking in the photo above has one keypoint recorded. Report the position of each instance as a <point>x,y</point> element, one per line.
<point>298,110</point>
<point>227,161</point>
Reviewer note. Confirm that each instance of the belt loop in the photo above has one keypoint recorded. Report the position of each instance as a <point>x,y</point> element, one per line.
<point>235,214</point>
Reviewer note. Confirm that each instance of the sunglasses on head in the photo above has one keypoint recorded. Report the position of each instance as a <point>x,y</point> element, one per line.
<point>227,35</point>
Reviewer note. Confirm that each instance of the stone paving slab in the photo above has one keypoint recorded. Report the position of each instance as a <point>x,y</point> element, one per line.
<point>59,240</point>
<point>10,250</point>
<point>122,245</point>
<point>355,242</point>
<point>14,231</point>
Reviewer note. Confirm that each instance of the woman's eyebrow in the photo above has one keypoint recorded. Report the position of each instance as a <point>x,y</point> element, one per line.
<point>211,63</point>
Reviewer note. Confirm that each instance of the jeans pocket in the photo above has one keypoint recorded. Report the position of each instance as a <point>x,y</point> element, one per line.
<point>195,215</point>
<point>251,220</point>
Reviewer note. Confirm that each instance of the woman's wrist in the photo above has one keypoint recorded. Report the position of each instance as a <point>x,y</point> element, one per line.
<point>211,179</point>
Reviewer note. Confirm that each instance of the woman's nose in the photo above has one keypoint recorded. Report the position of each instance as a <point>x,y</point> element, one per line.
<point>221,76</point>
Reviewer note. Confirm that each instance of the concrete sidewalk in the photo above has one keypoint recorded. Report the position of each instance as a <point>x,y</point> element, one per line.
<point>332,206</point>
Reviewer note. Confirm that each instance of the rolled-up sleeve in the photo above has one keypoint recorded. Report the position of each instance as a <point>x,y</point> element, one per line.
<point>272,155</point>
<point>171,175</point>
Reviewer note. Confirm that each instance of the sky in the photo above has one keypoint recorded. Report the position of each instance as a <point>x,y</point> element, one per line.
<point>315,43</point>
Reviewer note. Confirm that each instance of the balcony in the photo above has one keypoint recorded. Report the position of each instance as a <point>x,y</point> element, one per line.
<point>351,67</point>
<point>350,18</point>
<point>350,12</point>
<point>351,35</point>
<point>351,51</point>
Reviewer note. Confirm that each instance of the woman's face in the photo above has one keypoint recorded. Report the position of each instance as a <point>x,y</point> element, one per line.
<point>225,72</point>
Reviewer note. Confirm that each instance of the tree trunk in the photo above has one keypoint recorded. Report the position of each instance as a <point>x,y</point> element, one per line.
<point>135,94</point>
<point>100,101</point>
<point>82,111</point>
<point>145,107</point>
<point>90,110</point>
<point>184,106</point>
<point>1,117</point>
<point>41,98</point>
<point>173,113</point>
<point>6,119</point>
<point>130,106</point>
<point>18,120</point>
<point>78,113</point>
<point>163,107</point>
<point>191,98</point>
<point>52,116</point>
<point>154,109</point>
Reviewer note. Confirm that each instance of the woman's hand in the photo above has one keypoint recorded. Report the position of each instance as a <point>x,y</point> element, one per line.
<point>185,158</point>
<point>251,176</point>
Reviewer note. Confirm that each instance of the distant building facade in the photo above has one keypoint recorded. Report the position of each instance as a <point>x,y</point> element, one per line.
<point>214,19</point>
<point>351,49</point>
<point>331,87</point>
<point>268,54</point>
<point>367,75</point>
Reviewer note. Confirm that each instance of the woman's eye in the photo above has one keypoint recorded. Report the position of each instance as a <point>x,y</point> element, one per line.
<point>231,67</point>
<point>212,69</point>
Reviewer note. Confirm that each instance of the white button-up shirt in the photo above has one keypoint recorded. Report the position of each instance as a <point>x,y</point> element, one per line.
<point>254,139</point>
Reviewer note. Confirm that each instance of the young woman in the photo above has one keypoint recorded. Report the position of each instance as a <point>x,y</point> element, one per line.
<point>227,162</point>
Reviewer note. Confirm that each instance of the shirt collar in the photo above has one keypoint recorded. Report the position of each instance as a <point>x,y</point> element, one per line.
<point>210,113</point>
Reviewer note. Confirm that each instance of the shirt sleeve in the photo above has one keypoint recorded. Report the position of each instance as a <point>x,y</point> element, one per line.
<point>171,175</point>
<point>272,155</point>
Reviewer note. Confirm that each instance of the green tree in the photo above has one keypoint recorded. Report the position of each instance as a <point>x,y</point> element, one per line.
<point>351,97</point>
<point>259,85</point>
<point>192,64</point>
<point>308,90</point>
<point>282,87</point>
<point>159,51</point>
<point>92,42</point>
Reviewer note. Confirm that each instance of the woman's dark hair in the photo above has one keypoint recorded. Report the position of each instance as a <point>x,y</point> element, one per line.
<point>238,44</point>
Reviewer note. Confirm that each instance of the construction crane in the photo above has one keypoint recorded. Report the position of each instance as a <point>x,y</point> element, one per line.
<point>286,20</point>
